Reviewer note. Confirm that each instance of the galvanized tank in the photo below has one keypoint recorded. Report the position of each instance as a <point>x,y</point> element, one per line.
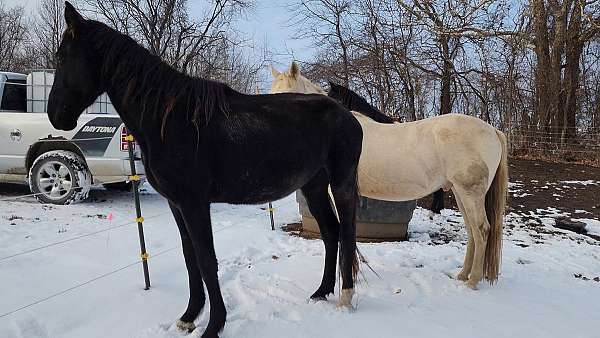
<point>376,220</point>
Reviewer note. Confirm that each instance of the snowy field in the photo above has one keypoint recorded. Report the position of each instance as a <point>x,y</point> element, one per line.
<point>547,286</point>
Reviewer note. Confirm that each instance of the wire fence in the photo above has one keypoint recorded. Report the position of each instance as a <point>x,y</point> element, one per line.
<point>79,285</point>
<point>116,270</point>
<point>94,186</point>
<point>585,148</point>
<point>49,245</point>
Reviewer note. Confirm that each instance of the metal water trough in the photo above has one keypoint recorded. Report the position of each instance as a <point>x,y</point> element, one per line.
<point>376,220</point>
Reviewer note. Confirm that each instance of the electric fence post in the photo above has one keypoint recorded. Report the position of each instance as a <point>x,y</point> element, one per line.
<point>135,179</point>
<point>270,203</point>
<point>271,213</point>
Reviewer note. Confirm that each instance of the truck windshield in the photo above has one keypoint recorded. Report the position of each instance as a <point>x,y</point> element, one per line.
<point>14,96</point>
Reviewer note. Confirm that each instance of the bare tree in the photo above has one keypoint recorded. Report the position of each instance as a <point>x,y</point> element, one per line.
<point>45,33</point>
<point>450,33</point>
<point>12,37</point>
<point>560,31</point>
<point>165,28</point>
<point>324,22</point>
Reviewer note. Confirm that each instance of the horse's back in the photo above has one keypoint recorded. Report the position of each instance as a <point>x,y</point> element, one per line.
<point>276,138</point>
<point>410,160</point>
<point>398,161</point>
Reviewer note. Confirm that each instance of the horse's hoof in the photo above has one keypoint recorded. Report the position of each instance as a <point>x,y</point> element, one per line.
<point>185,326</point>
<point>345,300</point>
<point>472,284</point>
<point>320,295</point>
<point>210,335</point>
<point>316,299</point>
<point>463,276</point>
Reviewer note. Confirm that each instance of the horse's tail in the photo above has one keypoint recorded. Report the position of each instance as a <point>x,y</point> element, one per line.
<point>495,206</point>
<point>356,254</point>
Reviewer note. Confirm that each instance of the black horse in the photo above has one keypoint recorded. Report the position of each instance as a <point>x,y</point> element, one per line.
<point>355,102</point>
<point>203,142</point>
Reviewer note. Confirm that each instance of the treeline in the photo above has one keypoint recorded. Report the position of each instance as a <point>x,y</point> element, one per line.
<point>205,45</point>
<point>530,68</point>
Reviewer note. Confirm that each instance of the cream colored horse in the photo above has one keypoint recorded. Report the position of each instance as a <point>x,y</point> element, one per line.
<point>406,161</point>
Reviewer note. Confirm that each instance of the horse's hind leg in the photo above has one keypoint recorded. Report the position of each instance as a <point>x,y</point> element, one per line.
<point>317,198</point>
<point>437,204</point>
<point>474,209</point>
<point>463,275</point>
<point>345,193</point>
<point>196,215</point>
<point>197,297</point>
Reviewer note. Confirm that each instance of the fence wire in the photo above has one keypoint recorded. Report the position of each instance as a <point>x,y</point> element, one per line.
<point>107,274</point>
<point>49,245</point>
<point>77,286</point>
<point>99,185</point>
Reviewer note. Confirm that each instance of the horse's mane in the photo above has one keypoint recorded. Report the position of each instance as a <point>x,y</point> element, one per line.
<point>355,102</point>
<point>160,87</point>
<point>309,86</point>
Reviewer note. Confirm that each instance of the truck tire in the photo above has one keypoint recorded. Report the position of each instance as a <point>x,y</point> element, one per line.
<point>60,177</point>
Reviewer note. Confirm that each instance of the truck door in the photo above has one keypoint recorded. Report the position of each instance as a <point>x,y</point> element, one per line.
<point>13,141</point>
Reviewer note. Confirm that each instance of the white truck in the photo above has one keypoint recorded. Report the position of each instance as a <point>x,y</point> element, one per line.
<point>60,167</point>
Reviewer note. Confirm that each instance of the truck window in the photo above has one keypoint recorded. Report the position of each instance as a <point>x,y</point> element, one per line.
<point>14,96</point>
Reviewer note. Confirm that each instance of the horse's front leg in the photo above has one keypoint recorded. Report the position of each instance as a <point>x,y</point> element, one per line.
<point>197,221</point>
<point>197,297</point>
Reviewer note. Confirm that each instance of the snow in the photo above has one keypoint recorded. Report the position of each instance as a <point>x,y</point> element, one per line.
<point>586,183</point>
<point>266,277</point>
<point>516,190</point>
<point>522,195</point>
<point>592,226</point>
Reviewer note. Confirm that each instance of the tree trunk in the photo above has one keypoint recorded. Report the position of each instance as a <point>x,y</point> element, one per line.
<point>572,72</point>
<point>446,79</point>
<point>544,67</point>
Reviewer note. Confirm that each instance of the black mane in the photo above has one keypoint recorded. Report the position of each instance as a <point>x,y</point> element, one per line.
<point>355,102</point>
<point>161,87</point>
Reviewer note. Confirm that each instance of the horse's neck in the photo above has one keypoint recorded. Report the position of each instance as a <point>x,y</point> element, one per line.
<point>122,97</point>
<point>123,88</point>
<point>129,115</point>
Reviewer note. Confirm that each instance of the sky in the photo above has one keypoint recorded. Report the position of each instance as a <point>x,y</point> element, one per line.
<point>267,21</point>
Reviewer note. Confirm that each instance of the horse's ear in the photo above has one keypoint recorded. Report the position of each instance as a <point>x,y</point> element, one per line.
<point>274,72</point>
<point>333,86</point>
<point>73,19</point>
<point>294,70</point>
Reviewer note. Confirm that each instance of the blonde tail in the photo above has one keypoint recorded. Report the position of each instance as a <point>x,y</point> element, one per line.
<point>495,206</point>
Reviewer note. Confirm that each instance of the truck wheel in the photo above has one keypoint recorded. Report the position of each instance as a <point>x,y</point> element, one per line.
<point>60,177</point>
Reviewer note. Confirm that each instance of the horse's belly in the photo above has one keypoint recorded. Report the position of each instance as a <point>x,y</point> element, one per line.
<point>390,193</point>
<point>396,173</point>
<point>391,189</point>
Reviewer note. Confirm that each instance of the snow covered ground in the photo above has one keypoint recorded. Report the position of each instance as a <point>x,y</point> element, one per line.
<point>547,286</point>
